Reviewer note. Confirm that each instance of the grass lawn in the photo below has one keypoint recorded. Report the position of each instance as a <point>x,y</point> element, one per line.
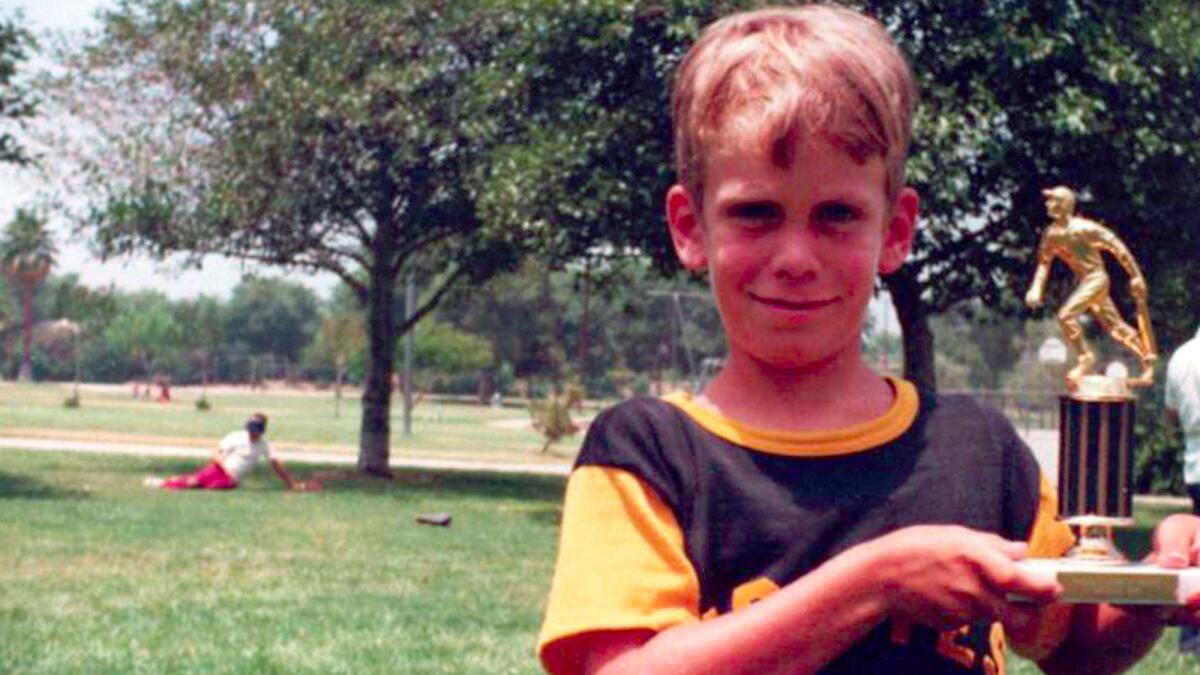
<point>100,575</point>
<point>301,421</point>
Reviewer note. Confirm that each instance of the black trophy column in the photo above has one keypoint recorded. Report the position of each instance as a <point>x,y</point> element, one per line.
<point>1095,458</point>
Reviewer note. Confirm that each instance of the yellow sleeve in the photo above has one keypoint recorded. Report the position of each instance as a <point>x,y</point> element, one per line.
<point>1049,538</point>
<point>621,564</point>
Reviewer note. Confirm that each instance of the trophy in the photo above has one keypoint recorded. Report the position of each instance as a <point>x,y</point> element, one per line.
<point>1095,470</point>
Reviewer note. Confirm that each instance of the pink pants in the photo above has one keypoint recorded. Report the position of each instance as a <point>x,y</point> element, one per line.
<point>211,477</point>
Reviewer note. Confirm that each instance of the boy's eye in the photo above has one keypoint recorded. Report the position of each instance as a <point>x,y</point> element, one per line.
<point>762,211</point>
<point>837,212</point>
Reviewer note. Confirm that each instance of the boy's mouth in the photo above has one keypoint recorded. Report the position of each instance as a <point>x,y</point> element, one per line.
<point>794,305</point>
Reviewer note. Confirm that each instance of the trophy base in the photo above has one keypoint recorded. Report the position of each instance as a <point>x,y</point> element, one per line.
<point>1116,583</point>
<point>1095,546</point>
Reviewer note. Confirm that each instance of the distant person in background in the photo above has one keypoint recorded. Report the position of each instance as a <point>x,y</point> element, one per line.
<point>1183,406</point>
<point>233,458</point>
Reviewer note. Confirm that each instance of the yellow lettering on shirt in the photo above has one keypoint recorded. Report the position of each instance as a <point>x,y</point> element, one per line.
<point>753,591</point>
<point>948,646</point>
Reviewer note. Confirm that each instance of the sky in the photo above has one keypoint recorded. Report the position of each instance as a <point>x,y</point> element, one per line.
<point>21,188</point>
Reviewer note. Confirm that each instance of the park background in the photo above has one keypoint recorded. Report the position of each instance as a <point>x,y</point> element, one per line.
<point>472,188</point>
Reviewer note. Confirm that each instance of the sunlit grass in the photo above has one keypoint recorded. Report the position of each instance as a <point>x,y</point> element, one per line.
<point>302,421</point>
<point>100,575</point>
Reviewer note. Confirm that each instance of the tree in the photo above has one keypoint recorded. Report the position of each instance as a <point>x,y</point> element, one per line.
<point>1015,95</point>
<point>7,322</point>
<point>442,351</point>
<point>341,339</point>
<point>343,136</point>
<point>27,254</point>
<point>16,100</point>
<point>146,330</point>
<point>271,316</point>
<point>202,331</point>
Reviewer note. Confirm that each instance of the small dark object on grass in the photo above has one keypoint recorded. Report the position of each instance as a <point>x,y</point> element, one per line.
<point>71,401</point>
<point>436,519</point>
<point>203,404</point>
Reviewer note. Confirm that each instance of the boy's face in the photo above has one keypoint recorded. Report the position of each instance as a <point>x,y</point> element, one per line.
<point>792,254</point>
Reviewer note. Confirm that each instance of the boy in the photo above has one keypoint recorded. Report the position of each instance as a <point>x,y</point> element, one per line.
<point>233,458</point>
<point>803,514</point>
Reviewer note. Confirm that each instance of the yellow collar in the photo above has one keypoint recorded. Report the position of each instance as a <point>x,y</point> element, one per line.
<point>825,443</point>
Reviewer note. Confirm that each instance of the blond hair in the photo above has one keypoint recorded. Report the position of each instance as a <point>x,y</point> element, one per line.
<point>780,76</point>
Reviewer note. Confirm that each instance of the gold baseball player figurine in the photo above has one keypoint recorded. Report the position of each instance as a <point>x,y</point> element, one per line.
<point>1080,242</point>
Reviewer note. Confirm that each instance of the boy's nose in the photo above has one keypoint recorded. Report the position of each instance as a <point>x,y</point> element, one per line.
<point>794,256</point>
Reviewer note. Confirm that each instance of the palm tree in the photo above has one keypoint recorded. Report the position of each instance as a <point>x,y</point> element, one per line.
<point>26,253</point>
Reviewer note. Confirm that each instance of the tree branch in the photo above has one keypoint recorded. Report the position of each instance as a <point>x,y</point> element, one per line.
<point>433,301</point>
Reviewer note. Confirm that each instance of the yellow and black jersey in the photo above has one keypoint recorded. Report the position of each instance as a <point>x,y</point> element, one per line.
<point>675,513</point>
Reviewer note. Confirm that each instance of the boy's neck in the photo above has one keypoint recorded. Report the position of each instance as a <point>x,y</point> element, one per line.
<point>831,395</point>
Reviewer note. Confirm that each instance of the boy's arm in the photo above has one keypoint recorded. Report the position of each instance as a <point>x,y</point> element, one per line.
<point>626,597</point>
<point>938,576</point>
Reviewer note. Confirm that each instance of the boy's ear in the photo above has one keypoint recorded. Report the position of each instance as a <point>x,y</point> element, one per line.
<point>687,234</point>
<point>901,227</point>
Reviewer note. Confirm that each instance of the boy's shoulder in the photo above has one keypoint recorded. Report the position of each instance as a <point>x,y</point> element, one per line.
<point>635,426</point>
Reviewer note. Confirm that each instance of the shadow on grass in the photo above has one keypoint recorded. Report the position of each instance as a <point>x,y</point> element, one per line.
<point>16,486</point>
<point>548,489</point>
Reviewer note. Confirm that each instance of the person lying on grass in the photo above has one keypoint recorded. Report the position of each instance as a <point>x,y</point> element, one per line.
<point>233,458</point>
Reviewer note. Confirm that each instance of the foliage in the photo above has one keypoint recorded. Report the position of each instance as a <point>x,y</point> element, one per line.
<point>344,136</point>
<point>271,316</point>
<point>146,330</point>
<point>534,319</point>
<point>551,416</point>
<point>27,249</point>
<point>341,342</point>
<point>985,343</point>
<point>1018,96</point>
<point>1015,95</point>
<point>441,350</point>
<point>27,254</point>
<point>17,100</point>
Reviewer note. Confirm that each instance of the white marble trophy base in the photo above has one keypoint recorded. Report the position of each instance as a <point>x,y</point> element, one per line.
<point>1120,583</point>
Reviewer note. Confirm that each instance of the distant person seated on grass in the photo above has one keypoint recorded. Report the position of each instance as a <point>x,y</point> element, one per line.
<point>233,458</point>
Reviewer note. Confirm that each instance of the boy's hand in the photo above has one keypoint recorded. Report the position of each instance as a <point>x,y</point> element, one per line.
<point>945,576</point>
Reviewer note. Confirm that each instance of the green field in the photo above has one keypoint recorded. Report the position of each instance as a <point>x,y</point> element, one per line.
<point>100,575</point>
<point>298,420</point>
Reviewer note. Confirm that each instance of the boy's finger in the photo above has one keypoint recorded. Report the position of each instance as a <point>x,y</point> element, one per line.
<point>1006,578</point>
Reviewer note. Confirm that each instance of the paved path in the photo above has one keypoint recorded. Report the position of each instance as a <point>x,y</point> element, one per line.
<point>290,456</point>
<point>1043,442</point>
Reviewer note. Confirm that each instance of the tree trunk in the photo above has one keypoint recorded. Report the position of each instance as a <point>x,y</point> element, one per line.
<point>375,435</point>
<point>914,328</point>
<point>26,374</point>
<point>583,324</point>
